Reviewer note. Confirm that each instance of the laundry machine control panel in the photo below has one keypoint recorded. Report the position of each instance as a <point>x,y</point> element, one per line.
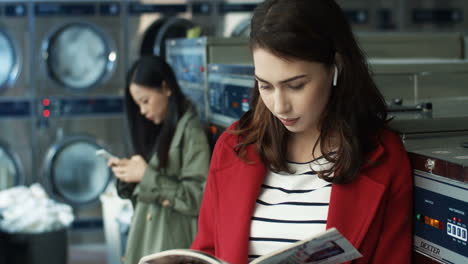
<point>76,9</point>
<point>57,107</point>
<point>229,90</point>
<point>441,203</point>
<point>15,108</point>
<point>15,10</point>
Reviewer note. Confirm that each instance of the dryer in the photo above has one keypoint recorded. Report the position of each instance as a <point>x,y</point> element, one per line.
<point>79,48</point>
<point>234,17</point>
<point>150,23</point>
<point>14,48</point>
<point>68,132</point>
<point>15,142</point>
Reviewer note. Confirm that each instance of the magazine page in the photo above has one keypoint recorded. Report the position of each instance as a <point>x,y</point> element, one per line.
<point>180,256</point>
<point>328,248</point>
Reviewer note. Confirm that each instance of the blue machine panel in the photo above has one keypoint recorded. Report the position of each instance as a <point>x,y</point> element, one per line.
<point>235,7</point>
<point>437,16</point>
<point>197,97</point>
<point>229,91</point>
<point>187,58</point>
<point>189,67</point>
<point>229,100</point>
<point>16,10</point>
<point>109,9</point>
<point>441,218</point>
<point>62,9</point>
<point>202,8</point>
<point>15,108</point>
<point>140,8</point>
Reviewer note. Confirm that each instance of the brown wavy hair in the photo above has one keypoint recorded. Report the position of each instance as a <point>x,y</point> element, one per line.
<point>356,113</point>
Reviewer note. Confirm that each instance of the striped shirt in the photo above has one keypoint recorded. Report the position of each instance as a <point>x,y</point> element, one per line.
<point>290,207</point>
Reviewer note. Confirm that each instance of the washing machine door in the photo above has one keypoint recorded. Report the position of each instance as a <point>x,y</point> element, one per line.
<point>74,173</point>
<point>11,171</point>
<point>242,29</point>
<point>8,61</point>
<point>79,56</point>
<point>173,28</point>
<point>154,41</point>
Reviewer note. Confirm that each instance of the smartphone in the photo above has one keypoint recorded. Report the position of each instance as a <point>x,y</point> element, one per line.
<point>103,153</point>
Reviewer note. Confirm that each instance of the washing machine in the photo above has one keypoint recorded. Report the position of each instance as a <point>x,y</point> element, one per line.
<point>189,58</point>
<point>78,48</point>
<point>68,131</point>
<point>15,142</point>
<point>234,17</point>
<point>150,23</point>
<point>14,48</point>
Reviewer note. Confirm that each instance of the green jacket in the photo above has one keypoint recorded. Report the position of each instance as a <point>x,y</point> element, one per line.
<point>167,200</point>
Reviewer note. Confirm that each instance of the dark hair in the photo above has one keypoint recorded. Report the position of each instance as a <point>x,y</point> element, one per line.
<point>316,31</point>
<point>146,136</point>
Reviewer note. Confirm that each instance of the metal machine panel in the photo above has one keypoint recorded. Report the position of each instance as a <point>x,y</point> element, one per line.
<point>441,199</point>
<point>229,89</point>
<point>15,142</point>
<point>434,15</point>
<point>14,48</point>
<point>68,132</point>
<point>190,59</point>
<point>79,48</point>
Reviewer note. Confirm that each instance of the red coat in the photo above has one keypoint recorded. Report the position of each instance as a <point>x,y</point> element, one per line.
<point>374,212</point>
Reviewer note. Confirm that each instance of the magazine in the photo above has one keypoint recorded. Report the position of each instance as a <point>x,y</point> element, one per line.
<point>329,247</point>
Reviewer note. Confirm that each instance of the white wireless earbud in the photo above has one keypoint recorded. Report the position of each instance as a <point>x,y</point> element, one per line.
<point>335,76</point>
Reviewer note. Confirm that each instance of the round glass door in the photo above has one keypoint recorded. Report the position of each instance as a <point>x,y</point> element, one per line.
<point>79,56</point>
<point>7,60</point>
<point>9,169</point>
<point>242,29</point>
<point>76,174</point>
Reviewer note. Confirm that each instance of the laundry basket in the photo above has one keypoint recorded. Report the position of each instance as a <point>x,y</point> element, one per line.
<point>41,248</point>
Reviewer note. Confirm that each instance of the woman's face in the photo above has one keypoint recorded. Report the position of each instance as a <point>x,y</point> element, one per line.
<point>295,91</point>
<point>152,103</point>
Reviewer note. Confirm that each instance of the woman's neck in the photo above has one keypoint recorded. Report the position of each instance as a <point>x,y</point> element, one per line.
<point>300,146</point>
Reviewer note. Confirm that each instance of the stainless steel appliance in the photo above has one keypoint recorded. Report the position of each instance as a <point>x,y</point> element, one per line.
<point>68,132</point>
<point>150,23</point>
<point>79,48</point>
<point>441,200</point>
<point>15,39</point>
<point>15,142</point>
<point>190,59</point>
<point>229,90</point>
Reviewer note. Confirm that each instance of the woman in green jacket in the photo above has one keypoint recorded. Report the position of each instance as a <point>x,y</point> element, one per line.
<point>166,176</point>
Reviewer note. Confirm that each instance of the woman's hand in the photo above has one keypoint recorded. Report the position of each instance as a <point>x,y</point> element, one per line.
<point>128,170</point>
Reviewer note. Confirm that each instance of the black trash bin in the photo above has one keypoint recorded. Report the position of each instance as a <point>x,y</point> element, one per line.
<point>42,248</point>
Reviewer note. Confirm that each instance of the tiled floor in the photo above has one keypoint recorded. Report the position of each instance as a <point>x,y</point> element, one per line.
<point>88,254</point>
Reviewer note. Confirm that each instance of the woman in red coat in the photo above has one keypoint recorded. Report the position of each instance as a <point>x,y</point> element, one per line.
<point>314,152</point>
